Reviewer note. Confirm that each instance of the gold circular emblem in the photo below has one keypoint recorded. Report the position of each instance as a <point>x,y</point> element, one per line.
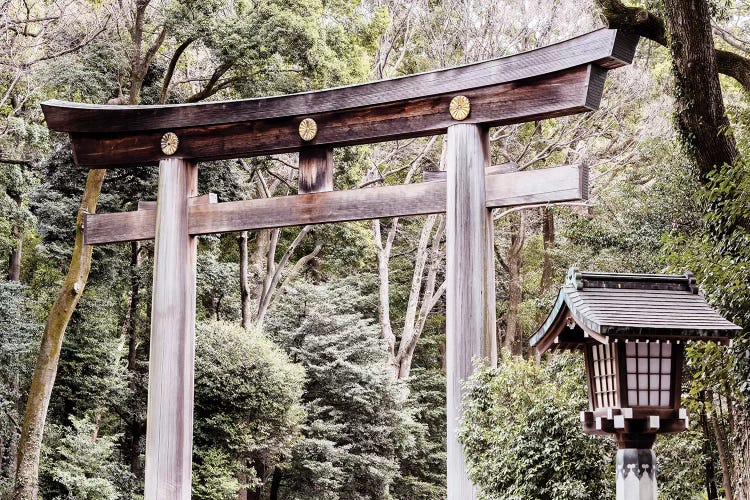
<point>307,129</point>
<point>169,143</point>
<point>460,107</point>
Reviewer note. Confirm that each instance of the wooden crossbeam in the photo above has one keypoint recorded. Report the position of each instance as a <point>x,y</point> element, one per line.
<point>193,200</point>
<point>550,185</point>
<point>571,91</point>
<point>557,80</point>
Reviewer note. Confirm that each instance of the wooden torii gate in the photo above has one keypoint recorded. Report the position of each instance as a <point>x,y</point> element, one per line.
<point>463,102</point>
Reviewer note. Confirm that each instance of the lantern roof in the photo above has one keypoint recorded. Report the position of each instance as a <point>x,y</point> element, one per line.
<point>609,307</point>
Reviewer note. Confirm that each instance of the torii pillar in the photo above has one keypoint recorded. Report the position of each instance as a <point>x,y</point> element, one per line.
<point>169,433</point>
<point>470,276</point>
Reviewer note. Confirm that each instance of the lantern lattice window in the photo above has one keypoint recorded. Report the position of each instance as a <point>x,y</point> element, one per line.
<point>605,382</point>
<point>649,370</point>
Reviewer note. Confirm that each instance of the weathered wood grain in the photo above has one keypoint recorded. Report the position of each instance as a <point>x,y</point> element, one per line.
<point>550,185</point>
<point>566,92</point>
<point>606,48</point>
<point>315,170</point>
<point>470,307</point>
<point>169,428</point>
<point>194,200</point>
<point>119,227</point>
<point>136,226</point>
<point>441,175</point>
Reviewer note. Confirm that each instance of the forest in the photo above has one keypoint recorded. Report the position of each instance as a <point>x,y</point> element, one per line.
<point>320,350</point>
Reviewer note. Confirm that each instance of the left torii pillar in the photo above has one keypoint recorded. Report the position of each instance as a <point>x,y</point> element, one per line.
<point>169,422</point>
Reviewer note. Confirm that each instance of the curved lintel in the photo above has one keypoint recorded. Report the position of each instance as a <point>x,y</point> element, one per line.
<point>556,80</point>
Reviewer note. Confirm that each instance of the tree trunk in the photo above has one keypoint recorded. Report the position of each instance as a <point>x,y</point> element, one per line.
<point>742,456</point>
<point>257,264</point>
<point>15,391</point>
<point>244,286</point>
<point>430,297</point>
<point>724,457</point>
<point>274,270</point>
<point>27,485</point>
<point>722,447</point>
<point>712,491</point>
<point>409,333</point>
<point>242,493</point>
<point>135,426</point>
<point>275,484</point>
<point>384,302</point>
<point>513,334</point>
<point>14,262</point>
<point>548,238</point>
<point>701,116</point>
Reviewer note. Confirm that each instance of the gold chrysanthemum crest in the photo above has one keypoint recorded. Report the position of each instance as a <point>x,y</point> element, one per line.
<point>169,143</point>
<point>307,129</point>
<point>460,107</point>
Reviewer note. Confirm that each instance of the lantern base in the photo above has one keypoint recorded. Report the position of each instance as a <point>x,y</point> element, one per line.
<point>636,474</point>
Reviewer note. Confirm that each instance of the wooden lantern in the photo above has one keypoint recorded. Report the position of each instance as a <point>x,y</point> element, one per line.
<point>632,329</point>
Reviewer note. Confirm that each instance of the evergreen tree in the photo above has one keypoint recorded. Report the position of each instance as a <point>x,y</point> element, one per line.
<point>358,423</point>
<point>84,465</point>
<point>422,473</point>
<point>247,409</point>
<point>18,336</point>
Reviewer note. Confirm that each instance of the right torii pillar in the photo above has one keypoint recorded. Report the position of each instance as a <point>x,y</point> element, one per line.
<point>470,275</point>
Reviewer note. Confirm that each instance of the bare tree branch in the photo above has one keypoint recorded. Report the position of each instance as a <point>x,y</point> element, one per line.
<point>170,70</point>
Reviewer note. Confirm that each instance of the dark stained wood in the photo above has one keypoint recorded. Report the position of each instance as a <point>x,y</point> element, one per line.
<point>530,187</point>
<point>621,374</point>
<point>570,91</point>
<point>588,359</point>
<point>606,48</point>
<point>315,170</point>
<point>629,306</point>
<point>675,389</point>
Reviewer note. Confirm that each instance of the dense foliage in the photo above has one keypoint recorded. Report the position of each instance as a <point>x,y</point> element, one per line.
<point>320,369</point>
<point>522,436</point>
<point>247,411</point>
<point>358,425</point>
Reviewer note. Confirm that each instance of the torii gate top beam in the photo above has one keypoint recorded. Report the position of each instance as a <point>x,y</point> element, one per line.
<point>556,80</point>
